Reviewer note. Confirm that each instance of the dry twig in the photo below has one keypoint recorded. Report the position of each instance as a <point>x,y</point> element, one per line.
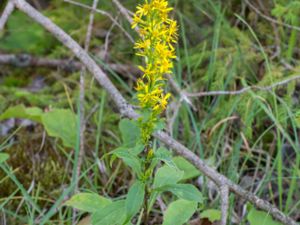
<point>81,102</point>
<point>102,12</point>
<point>82,93</point>
<point>6,13</point>
<point>127,110</point>
<point>123,10</point>
<point>224,193</point>
<point>244,90</point>
<point>25,60</point>
<point>270,18</point>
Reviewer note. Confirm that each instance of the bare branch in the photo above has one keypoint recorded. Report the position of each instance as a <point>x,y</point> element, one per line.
<point>244,90</point>
<point>102,12</point>
<point>221,180</point>
<point>183,96</point>
<point>9,8</point>
<point>271,19</point>
<point>90,26</point>
<point>224,193</point>
<point>66,40</point>
<point>123,10</point>
<point>81,104</point>
<point>128,111</point>
<point>25,60</point>
<point>82,93</point>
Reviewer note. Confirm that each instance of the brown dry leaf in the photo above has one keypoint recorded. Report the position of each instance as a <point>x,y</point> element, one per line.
<point>85,221</point>
<point>199,221</point>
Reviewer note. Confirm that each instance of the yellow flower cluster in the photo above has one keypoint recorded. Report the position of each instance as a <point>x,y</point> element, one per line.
<point>157,34</point>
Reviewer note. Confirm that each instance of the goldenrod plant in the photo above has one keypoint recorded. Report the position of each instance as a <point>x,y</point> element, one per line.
<point>153,166</point>
<point>158,34</point>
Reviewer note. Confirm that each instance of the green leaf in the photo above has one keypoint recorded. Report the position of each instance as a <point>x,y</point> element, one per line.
<point>129,159</point>
<point>179,212</point>
<point>20,111</point>
<point>88,202</point>
<point>3,157</point>
<point>112,214</point>
<point>190,171</point>
<point>159,125</point>
<point>164,155</point>
<point>137,149</point>
<point>256,217</point>
<point>130,132</point>
<point>166,176</point>
<point>185,191</point>
<point>212,215</point>
<point>61,123</point>
<point>135,199</point>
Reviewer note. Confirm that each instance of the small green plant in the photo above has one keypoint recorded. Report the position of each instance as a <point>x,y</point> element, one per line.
<point>152,165</point>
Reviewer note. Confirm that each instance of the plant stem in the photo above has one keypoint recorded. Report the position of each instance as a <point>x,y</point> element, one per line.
<point>148,160</point>
<point>146,215</point>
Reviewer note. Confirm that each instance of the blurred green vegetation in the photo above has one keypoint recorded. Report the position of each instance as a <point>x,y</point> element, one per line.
<point>252,138</point>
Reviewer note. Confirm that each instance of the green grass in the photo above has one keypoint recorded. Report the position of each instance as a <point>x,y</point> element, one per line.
<point>221,47</point>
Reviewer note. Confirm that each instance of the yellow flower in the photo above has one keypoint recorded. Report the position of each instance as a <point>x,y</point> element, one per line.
<point>164,100</point>
<point>172,32</point>
<point>158,34</point>
<point>140,85</point>
<point>162,104</point>
<point>161,5</point>
<point>136,20</point>
<point>148,72</point>
<point>143,10</point>
<point>166,66</point>
<point>148,97</point>
<point>143,44</point>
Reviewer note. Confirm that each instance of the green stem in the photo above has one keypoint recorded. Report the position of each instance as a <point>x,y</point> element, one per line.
<point>146,215</point>
<point>148,161</point>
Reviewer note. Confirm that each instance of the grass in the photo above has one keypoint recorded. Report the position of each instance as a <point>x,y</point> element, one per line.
<point>220,48</point>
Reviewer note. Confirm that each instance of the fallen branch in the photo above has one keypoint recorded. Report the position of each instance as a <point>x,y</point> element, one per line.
<point>270,18</point>
<point>105,14</point>
<point>25,60</point>
<point>127,110</point>
<point>82,96</point>
<point>81,152</point>
<point>244,90</point>
<point>9,8</point>
<point>123,10</point>
<point>224,193</point>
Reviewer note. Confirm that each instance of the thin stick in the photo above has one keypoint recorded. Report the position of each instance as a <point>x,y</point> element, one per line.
<point>244,90</point>
<point>224,193</point>
<point>9,8</point>
<point>25,60</point>
<point>102,12</point>
<point>271,19</point>
<point>82,92</point>
<point>127,110</point>
<point>81,103</point>
<point>66,40</point>
<point>123,10</point>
